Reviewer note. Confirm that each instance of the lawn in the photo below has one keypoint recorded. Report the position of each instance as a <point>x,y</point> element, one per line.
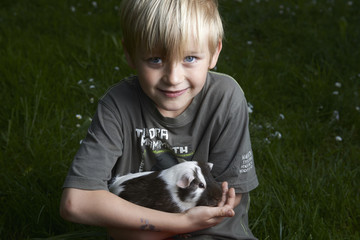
<point>297,61</point>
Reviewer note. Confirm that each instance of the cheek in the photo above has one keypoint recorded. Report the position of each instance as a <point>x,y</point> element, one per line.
<point>147,78</point>
<point>202,74</point>
<point>199,81</point>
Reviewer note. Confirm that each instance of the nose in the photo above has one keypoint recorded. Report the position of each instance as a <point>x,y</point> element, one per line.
<point>173,74</point>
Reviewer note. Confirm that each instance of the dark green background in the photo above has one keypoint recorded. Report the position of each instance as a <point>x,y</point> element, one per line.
<point>297,61</point>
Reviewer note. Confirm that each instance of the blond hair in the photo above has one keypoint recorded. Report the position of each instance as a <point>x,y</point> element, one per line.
<point>169,25</point>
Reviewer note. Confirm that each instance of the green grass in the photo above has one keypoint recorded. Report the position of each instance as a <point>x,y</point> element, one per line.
<point>288,56</point>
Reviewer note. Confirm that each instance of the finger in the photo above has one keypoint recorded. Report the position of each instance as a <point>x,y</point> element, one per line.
<point>217,214</point>
<point>225,186</point>
<point>225,190</point>
<point>231,197</point>
<point>225,212</point>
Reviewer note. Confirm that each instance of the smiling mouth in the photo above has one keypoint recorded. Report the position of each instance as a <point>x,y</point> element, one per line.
<point>173,94</point>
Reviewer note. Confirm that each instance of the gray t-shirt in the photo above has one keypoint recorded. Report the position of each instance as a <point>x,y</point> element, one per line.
<point>128,134</point>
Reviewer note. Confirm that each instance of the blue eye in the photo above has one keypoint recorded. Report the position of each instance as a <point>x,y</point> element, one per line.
<point>155,60</point>
<point>189,59</point>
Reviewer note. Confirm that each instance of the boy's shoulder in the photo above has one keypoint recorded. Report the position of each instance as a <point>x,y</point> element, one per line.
<point>223,81</point>
<point>125,85</point>
<point>223,84</point>
<point>122,95</point>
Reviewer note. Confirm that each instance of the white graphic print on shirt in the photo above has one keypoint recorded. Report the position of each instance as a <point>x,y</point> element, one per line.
<point>156,140</point>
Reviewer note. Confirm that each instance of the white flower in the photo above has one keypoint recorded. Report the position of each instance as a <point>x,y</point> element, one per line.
<point>117,68</point>
<point>91,80</point>
<point>78,116</point>
<point>277,134</point>
<point>338,84</point>
<point>72,8</point>
<point>80,82</point>
<point>268,126</point>
<point>336,115</point>
<point>250,107</point>
<point>78,125</point>
<point>357,108</point>
<point>335,92</point>
<point>91,100</point>
<point>249,42</point>
<point>92,86</point>
<point>258,126</point>
<point>282,117</point>
<point>338,138</point>
<point>94,4</point>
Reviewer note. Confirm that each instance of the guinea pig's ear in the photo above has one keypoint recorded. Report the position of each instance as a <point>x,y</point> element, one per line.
<point>210,165</point>
<point>185,180</point>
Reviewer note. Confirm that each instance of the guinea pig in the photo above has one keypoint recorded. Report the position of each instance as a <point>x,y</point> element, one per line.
<point>176,189</point>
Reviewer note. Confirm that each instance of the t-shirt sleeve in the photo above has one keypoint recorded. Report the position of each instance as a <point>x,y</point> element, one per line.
<point>98,153</point>
<point>231,153</point>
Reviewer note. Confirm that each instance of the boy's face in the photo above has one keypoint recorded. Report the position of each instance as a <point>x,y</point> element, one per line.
<point>172,84</point>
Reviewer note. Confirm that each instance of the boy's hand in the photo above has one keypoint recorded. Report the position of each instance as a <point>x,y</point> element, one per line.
<point>204,217</point>
<point>228,196</point>
<point>194,219</point>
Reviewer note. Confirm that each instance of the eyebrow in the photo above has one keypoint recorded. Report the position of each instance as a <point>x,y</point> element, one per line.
<point>187,53</point>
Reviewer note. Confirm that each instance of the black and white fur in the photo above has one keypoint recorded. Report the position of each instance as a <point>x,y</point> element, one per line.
<point>176,189</point>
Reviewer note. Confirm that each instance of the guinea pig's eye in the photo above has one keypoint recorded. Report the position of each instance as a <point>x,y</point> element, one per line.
<point>201,185</point>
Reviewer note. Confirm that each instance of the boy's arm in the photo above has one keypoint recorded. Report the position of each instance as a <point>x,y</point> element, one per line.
<point>137,234</point>
<point>102,208</point>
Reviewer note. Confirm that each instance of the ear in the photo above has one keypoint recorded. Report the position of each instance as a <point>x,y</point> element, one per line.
<point>210,165</point>
<point>127,56</point>
<point>215,56</point>
<point>185,180</point>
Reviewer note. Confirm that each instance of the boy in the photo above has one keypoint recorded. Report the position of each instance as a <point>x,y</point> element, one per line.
<point>174,108</point>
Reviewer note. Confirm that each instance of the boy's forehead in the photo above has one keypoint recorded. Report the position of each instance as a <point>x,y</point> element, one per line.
<point>190,46</point>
